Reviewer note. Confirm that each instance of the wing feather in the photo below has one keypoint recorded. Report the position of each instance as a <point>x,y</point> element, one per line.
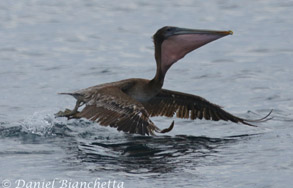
<point>168,103</point>
<point>112,107</point>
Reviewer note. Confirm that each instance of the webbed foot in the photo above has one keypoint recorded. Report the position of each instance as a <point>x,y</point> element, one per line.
<point>66,113</point>
<point>168,129</point>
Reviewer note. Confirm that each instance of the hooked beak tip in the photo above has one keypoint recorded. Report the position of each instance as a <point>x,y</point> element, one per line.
<point>230,32</point>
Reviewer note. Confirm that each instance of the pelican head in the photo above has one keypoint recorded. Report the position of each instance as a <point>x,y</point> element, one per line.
<point>173,43</point>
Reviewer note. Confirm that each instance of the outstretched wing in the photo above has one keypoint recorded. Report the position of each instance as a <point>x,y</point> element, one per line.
<point>168,103</point>
<point>112,107</point>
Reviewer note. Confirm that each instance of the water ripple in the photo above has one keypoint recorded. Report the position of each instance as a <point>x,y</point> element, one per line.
<point>99,148</point>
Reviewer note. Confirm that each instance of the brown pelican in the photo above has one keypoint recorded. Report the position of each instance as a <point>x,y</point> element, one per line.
<point>128,104</point>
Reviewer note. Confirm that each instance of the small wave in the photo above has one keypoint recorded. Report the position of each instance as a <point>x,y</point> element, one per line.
<point>151,155</point>
<point>39,124</point>
<point>104,148</point>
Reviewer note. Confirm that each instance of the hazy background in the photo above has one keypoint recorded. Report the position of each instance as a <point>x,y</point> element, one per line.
<point>61,46</point>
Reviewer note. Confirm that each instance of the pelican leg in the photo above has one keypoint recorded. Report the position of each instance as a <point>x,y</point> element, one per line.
<point>70,113</point>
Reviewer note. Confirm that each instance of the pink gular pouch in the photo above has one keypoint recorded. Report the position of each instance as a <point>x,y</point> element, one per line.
<point>176,47</point>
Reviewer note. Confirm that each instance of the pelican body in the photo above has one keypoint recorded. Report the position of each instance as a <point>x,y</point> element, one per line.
<point>128,104</point>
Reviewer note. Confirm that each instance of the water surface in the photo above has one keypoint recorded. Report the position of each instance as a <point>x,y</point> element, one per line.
<point>61,46</point>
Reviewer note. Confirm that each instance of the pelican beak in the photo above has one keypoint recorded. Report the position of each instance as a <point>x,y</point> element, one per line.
<point>182,31</point>
<point>180,41</point>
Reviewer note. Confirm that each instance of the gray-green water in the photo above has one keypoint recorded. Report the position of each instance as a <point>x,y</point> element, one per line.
<point>60,46</point>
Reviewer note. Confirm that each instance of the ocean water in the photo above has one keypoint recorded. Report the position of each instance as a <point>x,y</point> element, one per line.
<point>62,46</point>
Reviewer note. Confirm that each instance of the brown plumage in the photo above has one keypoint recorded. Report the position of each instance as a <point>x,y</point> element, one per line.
<point>170,103</point>
<point>128,104</point>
